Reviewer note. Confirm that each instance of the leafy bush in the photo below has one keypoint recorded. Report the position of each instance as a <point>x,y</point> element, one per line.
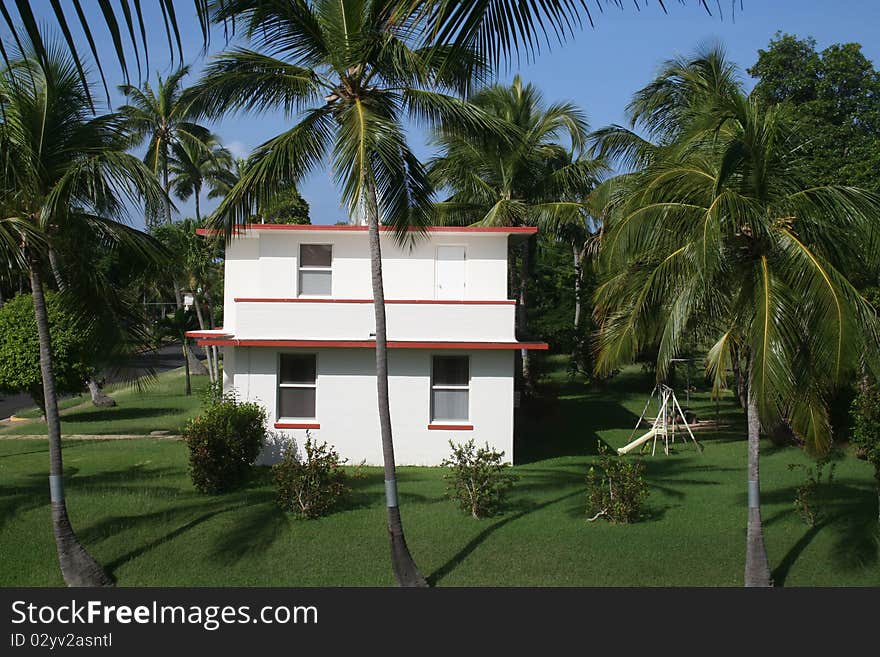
<point>478,479</point>
<point>617,490</point>
<point>312,485</point>
<point>224,440</point>
<point>806,501</point>
<point>866,429</point>
<point>73,347</point>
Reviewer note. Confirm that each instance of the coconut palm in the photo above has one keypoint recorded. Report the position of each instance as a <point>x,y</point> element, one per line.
<point>497,28</point>
<point>64,169</point>
<point>719,236</point>
<point>352,72</point>
<point>194,166</point>
<point>524,178</point>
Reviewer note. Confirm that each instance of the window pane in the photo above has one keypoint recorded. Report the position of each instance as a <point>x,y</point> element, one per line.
<point>296,402</point>
<point>315,283</point>
<point>297,368</point>
<point>315,255</point>
<point>450,404</point>
<point>451,370</point>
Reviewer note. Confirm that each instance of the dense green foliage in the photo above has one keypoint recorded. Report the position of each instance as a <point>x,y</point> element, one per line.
<point>311,484</point>
<point>833,97</point>
<point>477,478</point>
<point>286,207</point>
<point>224,440</point>
<point>73,347</point>
<point>616,487</point>
<point>866,427</point>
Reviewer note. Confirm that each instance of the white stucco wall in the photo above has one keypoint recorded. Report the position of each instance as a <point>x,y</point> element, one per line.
<point>346,400</point>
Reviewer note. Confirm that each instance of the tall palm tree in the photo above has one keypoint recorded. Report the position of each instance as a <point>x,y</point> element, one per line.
<point>194,166</point>
<point>64,170</point>
<point>353,73</point>
<point>719,235</point>
<point>160,117</point>
<point>524,177</point>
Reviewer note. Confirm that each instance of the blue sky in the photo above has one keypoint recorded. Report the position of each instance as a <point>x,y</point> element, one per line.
<point>598,69</point>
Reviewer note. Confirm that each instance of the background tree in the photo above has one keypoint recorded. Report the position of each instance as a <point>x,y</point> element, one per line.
<point>73,346</point>
<point>174,326</point>
<point>286,207</point>
<point>722,234</point>
<point>193,166</point>
<point>832,96</point>
<point>521,177</point>
<point>64,169</point>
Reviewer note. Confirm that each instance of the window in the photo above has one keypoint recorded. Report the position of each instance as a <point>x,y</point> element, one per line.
<point>450,378</point>
<point>297,384</point>
<point>315,269</point>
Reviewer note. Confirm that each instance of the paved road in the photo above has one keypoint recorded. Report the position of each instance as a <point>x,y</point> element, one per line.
<point>162,360</point>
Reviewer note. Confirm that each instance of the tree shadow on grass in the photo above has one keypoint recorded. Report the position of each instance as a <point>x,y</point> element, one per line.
<point>459,557</point>
<point>849,510</point>
<point>118,413</point>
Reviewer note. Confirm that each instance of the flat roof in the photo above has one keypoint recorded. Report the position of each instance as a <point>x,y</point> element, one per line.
<point>349,228</point>
<point>231,341</point>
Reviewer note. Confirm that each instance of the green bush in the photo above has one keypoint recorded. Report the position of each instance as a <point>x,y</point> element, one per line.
<point>617,489</point>
<point>73,347</point>
<point>313,484</point>
<point>224,440</point>
<point>478,479</point>
<point>866,429</point>
<point>807,495</point>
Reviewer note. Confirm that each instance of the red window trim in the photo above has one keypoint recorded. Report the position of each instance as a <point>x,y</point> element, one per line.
<point>463,302</point>
<point>451,427</point>
<point>297,425</point>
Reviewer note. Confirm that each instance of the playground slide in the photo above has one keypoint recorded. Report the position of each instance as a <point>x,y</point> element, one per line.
<point>638,441</point>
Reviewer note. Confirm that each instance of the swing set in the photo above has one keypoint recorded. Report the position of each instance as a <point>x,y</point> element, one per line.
<point>664,425</point>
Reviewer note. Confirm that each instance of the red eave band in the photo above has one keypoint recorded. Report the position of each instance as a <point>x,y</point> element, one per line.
<point>371,344</point>
<point>466,302</point>
<point>451,427</point>
<point>510,230</point>
<point>297,425</point>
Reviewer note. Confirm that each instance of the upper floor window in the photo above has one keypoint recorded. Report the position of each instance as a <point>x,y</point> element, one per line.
<point>450,383</point>
<point>297,385</point>
<point>315,270</point>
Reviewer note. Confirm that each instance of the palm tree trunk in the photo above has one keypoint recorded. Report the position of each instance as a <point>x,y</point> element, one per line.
<point>207,350</point>
<point>575,349</point>
<point>188,388</point>
<point>78,567</point>
<point>198,210</point>
<point>521,324</point>
<point>757,571</point>
<point>405,569</point>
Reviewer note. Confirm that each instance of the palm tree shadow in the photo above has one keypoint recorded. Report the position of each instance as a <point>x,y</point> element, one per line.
<point>458,558</point>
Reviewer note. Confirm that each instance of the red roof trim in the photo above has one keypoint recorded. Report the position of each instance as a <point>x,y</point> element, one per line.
<point>465,302</point>
<point>509,230</point>
<point>371,344</point>
<point>451,427</point>
<point>297,425</point>
<point>207,333</point>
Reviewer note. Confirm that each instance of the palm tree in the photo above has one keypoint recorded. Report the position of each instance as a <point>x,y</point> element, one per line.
<point>495,28</point>
<point>192,167</point>
<point>64,170</point>
<point>523,177</point>
<point>720,236</point>
<point>165,121</point>
<point>352,72</point>
<point>175,326</point>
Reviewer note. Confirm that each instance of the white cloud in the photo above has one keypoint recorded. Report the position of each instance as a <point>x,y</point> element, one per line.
<point>238,149</point>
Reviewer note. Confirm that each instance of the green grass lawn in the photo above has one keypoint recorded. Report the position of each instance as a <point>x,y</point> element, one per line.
<point>160,406</point>
<point>136,510</point>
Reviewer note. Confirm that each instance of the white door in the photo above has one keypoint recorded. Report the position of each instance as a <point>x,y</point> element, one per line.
<point>450,272</point>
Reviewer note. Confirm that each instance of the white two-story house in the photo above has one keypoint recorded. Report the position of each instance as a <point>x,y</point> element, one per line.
<point>299,336</point>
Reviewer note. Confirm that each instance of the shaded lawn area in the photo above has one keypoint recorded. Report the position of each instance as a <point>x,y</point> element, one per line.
<point>160,406</point>
<point>137,511</point>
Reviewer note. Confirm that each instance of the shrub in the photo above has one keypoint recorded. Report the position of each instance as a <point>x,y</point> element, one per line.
<point>224,440</point>
<point>866,429</point>
<point>617,490</point>
<point>806,501</point>
<point>478,479</point>
<point>73,347</point>
<point>312,485</point>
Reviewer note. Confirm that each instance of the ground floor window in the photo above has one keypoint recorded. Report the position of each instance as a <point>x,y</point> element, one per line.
<point>450,383</point>
<point>297,385</point>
